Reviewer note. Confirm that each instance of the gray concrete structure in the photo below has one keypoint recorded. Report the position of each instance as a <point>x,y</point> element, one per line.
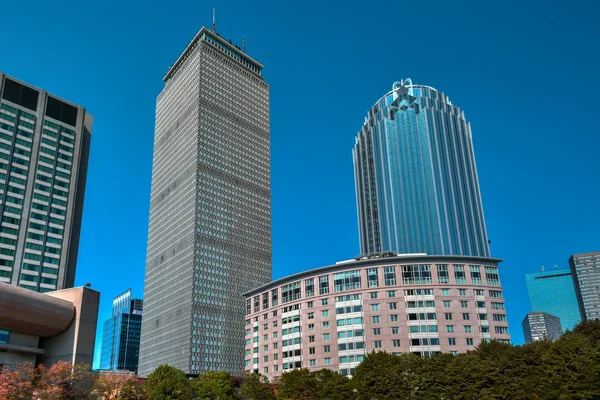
<point>209,235</point>
<point>541,326</point>
<point>46,328</point>
<point>585,268</point>
<point>44,150</point>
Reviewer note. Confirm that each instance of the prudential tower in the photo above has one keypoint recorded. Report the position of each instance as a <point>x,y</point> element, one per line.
<point>209,236</point>
<point>416,181</point>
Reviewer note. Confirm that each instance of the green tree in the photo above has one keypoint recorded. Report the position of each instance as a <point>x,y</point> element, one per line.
<point>333,386</point>
<point>255,387</point>
<point>378,377</point>
<point>572,368</point>
<point>214,386</point>
<point>297,384</point>
<point>167,383</point>
<point>589,329</point>
<point>433,382</point>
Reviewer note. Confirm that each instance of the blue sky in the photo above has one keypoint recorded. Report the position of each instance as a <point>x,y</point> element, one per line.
<point>526,76</point>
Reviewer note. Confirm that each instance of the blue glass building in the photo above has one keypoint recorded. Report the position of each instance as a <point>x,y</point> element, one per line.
<point>416,181</point>
<point>121,334</point>
<point>553,292</point>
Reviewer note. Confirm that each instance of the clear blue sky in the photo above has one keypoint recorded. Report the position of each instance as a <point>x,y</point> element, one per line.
<point>525,75</point>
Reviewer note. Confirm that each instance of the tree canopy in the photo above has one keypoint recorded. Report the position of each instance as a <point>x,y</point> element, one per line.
<point>167,383</point>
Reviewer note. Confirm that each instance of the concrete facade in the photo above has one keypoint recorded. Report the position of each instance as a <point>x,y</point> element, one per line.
<point>585,268</point>
<point>209,233</point>
<point>50,327</point>
<point>541,326</point>
<point>44,151</point>
<point>332,316</point>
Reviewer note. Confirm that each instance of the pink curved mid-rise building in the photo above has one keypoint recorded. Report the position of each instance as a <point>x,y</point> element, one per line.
<point>331,317</point>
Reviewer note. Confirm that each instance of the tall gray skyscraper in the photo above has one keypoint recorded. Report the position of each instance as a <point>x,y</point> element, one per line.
<point>44,150</point>
<point>585,268</point>
<point>416,181</point>
<point>209,236</point>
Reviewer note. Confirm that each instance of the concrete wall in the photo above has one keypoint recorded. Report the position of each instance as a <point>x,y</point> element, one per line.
<point>21,347</point>
<point>76,344</point>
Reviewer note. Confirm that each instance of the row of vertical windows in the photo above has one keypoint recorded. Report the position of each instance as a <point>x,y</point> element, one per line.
<point>411,274</point>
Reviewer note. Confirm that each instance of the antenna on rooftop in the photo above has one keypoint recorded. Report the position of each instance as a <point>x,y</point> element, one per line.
<point>214,26</point>
<point>555,265</point>
<point>542,268</point>
<point>244,44</point>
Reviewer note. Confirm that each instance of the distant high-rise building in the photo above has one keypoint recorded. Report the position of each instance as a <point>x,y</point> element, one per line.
<point>540,326</point>
<point>44,150</point>
<point>209,237</point>
<point>416,181</point>
<point>585,268</point>
<point>121,334</point>
<point>553,292</point>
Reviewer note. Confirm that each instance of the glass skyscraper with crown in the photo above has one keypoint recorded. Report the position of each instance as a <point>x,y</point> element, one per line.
<point>416,181</point>
<point>44,150</point>
<point>209,236</point>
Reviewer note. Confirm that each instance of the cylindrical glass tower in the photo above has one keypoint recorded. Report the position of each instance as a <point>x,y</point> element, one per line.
<point>417,189</point>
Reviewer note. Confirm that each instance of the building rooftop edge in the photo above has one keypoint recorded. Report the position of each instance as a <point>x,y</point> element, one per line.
<point>43,90</point>
<point>361,263</point>
<point>589,253</point>
<point>194,40</point>
<point>550,271</point>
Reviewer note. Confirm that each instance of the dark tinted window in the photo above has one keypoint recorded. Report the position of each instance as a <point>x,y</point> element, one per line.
<point>61,111</point>
<point>19,94</point>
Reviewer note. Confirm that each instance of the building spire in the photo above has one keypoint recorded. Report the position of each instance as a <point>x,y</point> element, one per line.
<point>214,25</point>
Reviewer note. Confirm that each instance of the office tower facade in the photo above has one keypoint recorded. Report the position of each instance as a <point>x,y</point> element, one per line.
<point>585,268</point>
<point>121,334</point>
<point>416,181</point>
<point>332,317</point>
<point>209,237</point>
<point>553,292</point>
<point>541,326</point>
<point>44,150</point>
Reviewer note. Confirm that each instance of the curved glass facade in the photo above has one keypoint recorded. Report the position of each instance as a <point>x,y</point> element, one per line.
<point>416,182</point>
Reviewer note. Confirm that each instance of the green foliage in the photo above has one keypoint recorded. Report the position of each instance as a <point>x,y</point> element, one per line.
<point>256,387</point>
<point>132,390</point>
<point>167,383</point>
<point>333,386</point>
<point>568,368</point>
<point>297,384</point>
<point>214,386</point>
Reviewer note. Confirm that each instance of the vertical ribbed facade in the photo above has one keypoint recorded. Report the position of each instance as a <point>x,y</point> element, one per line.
<point>585,269</point>
<point>209,237</point>
<point>44,150</point>
<point>416,181</point>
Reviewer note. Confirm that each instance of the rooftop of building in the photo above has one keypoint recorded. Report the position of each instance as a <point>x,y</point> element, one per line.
<point>384,259</point>
<point>204,32</point>
<point>550,273</point>
<point>591,253</point>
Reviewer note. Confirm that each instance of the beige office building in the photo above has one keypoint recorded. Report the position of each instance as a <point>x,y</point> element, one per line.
<point>44,328</point>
